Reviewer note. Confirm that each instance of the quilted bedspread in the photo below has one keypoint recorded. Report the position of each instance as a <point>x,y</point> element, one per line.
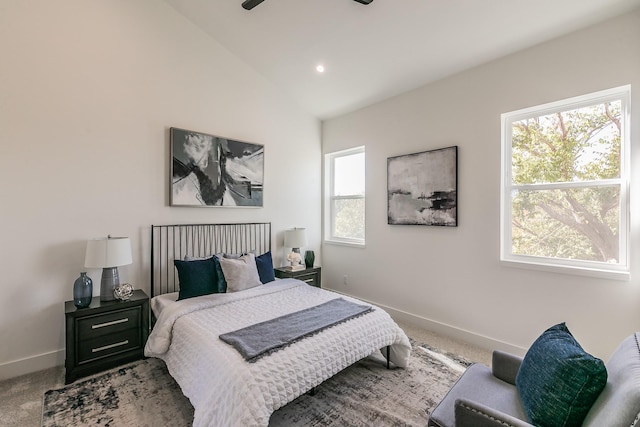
<point>224,389</point>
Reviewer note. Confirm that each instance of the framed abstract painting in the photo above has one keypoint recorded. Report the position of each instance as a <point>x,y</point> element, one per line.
<point>208,170</point>
<point>422,188</point>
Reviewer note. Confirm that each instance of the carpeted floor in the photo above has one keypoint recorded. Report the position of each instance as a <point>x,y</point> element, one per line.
<point>21,397</point>
<point>144,394</point>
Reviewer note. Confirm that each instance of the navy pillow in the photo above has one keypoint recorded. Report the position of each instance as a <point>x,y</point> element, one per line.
<point>264,263</point>
<point>221,283</point>
<point>558,381</point>
<point>196,278</point>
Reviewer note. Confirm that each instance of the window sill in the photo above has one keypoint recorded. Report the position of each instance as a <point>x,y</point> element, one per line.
<point>342,243</point>
<point>577,271</point>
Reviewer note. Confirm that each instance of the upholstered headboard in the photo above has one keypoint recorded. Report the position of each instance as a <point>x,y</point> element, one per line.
<point>171,242</point>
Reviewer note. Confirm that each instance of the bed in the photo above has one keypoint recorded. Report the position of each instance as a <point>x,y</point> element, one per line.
<point>225,388</point>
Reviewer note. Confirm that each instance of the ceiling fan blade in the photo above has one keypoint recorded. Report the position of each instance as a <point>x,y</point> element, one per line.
<point>250,4</point>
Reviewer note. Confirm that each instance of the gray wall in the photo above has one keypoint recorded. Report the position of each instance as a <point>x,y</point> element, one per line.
<point>89,89</point>
<point>451,279</point>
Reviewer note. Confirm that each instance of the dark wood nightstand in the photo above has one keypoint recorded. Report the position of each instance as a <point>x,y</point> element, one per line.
<point>105,334</point>
<point>309,275</point>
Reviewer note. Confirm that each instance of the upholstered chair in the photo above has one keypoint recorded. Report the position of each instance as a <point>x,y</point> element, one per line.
<point>488,397</point>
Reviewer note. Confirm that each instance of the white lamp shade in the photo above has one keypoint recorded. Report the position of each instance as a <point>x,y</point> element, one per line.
<point>295,238</point>
<point>108,252</point>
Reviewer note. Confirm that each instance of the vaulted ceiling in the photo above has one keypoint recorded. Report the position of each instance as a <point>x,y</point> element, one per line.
<point>372,52</point>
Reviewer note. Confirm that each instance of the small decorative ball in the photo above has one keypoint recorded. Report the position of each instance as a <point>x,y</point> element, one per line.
<point>123,291</point>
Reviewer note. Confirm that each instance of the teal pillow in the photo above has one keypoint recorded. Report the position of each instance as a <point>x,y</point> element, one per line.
<point>196,278</point>
<point>221,283</point>
<point>558,381</point>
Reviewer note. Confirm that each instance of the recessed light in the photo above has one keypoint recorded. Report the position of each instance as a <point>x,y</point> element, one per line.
<point>320,68</point>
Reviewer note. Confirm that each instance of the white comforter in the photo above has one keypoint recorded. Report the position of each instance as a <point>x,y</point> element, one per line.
<point>224,389</point>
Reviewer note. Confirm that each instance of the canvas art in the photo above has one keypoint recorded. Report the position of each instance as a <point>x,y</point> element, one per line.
<point>422,188</point>
<point>208,170</point>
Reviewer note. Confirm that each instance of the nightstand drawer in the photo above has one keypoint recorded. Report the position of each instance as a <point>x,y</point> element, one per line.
<point>108,323</point>
<point>103,346</point>
<point>309,278</point>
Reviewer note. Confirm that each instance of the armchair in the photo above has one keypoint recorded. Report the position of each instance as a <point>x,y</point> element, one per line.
<point>488,397</point>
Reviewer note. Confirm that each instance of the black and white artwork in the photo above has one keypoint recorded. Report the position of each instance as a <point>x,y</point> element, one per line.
<point>208,170</point>
<point>422,188</point>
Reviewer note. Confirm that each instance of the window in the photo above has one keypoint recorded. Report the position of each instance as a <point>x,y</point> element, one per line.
<point>565,184</point>
<point>344,201</point>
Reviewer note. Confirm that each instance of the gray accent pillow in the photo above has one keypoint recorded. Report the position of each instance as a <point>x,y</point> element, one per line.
<point>240,273</point>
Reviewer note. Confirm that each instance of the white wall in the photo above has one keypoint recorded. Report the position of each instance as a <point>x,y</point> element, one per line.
<point>88,91</point>
<point>450,279</point>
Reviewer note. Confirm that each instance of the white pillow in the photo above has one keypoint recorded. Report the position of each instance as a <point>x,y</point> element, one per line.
<point>240,273</point>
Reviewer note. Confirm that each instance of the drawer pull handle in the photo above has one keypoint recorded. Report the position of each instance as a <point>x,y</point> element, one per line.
<point>115,322</point>
<point>107,347</point>
<point>308,280</point>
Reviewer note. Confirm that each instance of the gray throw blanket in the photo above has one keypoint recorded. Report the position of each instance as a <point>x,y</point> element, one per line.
<point>260,339</point>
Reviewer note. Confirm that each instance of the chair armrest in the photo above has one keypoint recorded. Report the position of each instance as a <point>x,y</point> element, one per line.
<point>504,366</point>
<point>474,414</point>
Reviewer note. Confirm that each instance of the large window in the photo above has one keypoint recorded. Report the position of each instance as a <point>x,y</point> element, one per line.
<point>344,202</point>
<point>565,179</point>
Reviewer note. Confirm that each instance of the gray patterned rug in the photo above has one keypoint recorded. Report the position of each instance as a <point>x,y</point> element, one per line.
<point>144,394</point>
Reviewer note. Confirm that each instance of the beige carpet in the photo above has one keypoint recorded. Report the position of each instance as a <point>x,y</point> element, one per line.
<point>21,397</point>
<point>144,394</point>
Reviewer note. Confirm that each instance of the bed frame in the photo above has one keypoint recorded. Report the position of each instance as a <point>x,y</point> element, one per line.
<point>171,242</point>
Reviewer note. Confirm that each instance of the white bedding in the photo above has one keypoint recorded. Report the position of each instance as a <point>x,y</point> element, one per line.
<point>224,389</point>
<point>158,303</point>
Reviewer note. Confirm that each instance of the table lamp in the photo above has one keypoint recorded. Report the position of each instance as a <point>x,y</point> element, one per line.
<point>295,239</point>
<point>108,253</point>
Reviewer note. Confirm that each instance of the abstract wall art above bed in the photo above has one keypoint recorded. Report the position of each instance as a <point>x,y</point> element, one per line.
<point>208,170</point>
<point>422,188</point>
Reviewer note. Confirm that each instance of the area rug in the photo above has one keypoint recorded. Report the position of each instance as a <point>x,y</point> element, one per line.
<point>144,394</point>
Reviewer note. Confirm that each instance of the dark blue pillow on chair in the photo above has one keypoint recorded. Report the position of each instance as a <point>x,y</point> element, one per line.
<point>558,381</point>
<point>196,278</point>
<point>264,263</point>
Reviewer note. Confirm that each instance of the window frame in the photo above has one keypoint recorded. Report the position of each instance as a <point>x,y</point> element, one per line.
<point>621,270</point>
<point>330,197</point>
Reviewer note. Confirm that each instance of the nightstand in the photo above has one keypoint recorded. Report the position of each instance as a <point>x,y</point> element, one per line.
<point>105,334</point>
<point>309,275</point>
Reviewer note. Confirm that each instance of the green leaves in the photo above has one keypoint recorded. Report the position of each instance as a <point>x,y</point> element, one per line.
<point>577,145</point>
<point>562,208</point>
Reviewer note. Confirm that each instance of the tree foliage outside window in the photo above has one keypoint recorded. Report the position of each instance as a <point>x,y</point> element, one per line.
<point>565,183</point>
<point>345,183</point>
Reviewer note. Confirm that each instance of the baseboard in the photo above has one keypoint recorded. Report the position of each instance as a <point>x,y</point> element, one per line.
<point>31,364</point>
<point>444,329</point>
<point>56,358</point>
